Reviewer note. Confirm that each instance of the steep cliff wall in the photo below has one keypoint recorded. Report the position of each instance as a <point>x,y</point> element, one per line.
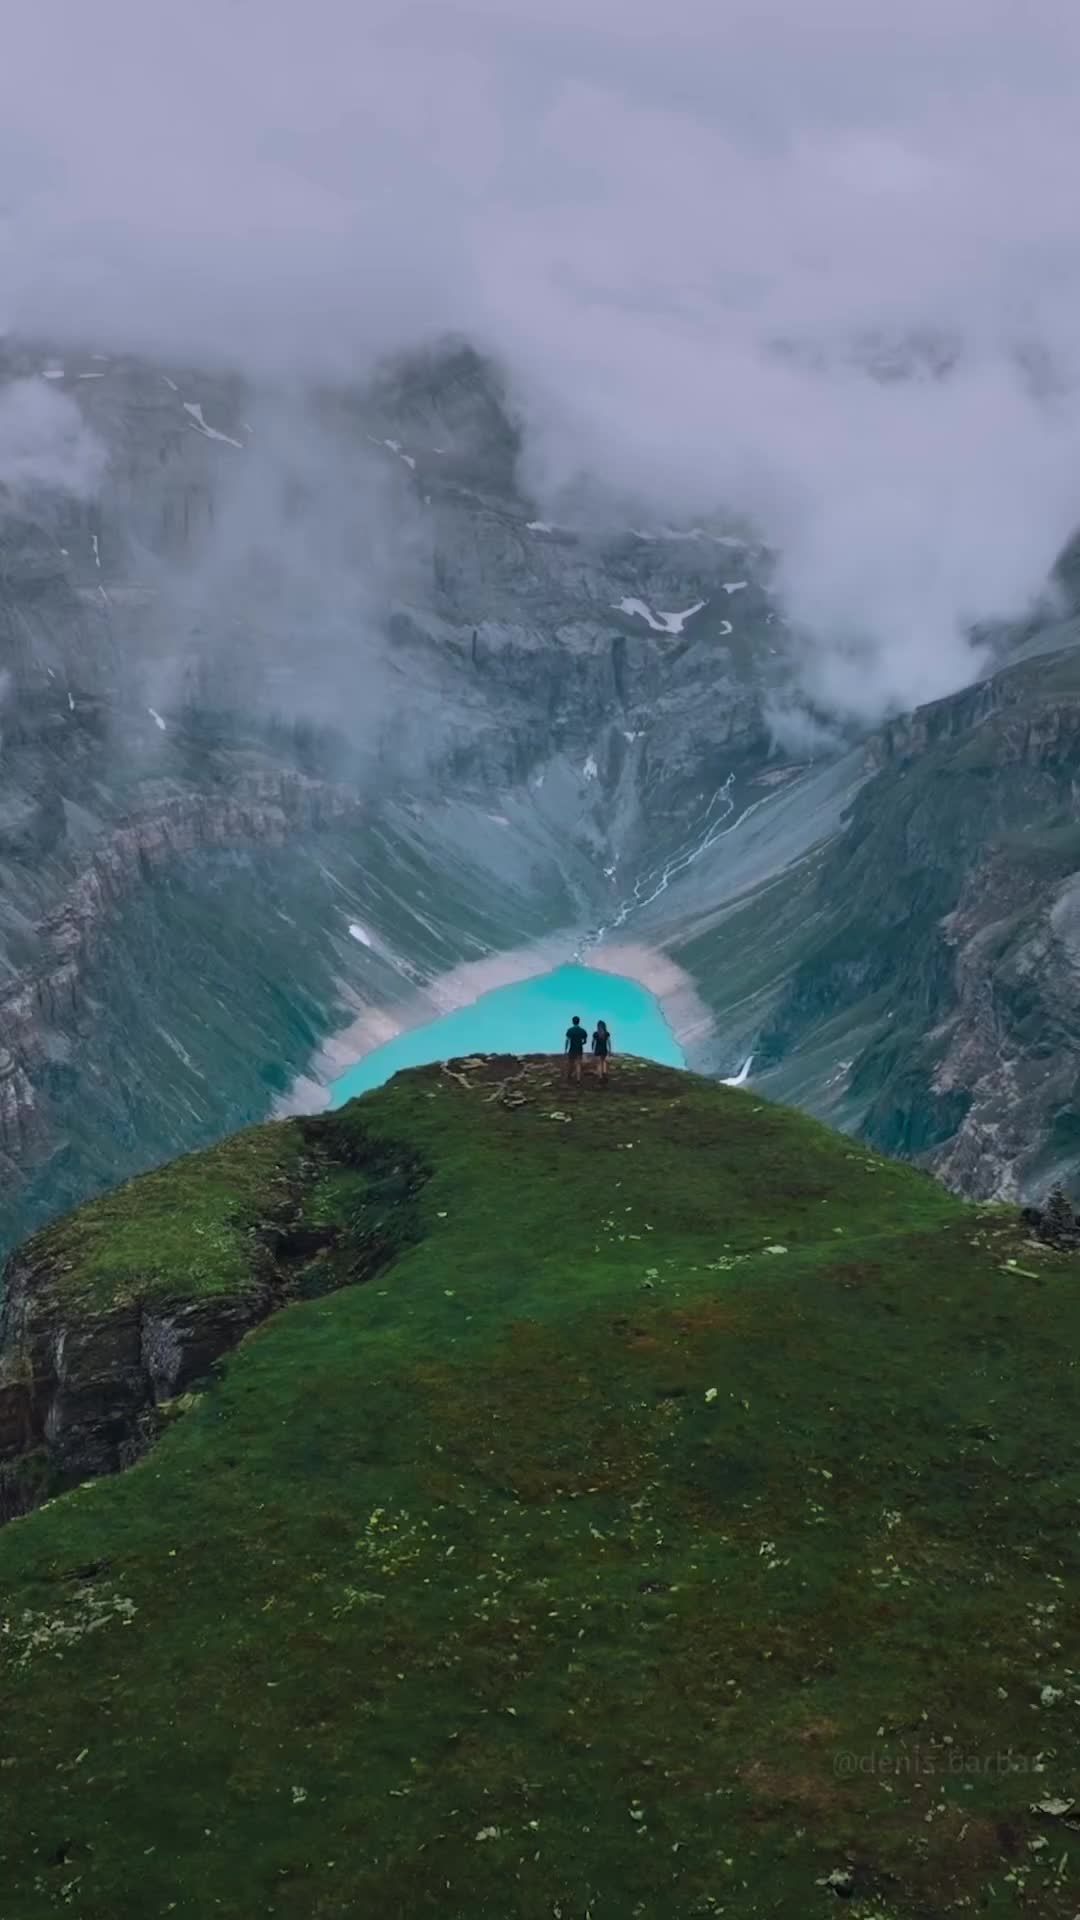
<point>296,636</point>
<point>108,1317</point>
<point>915,976</point>
<point>299,662</point>
<point>263,810</point>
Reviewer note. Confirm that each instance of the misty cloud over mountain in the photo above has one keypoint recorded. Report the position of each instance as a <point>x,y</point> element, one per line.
<point>45,443</point>
<point>813,267</point>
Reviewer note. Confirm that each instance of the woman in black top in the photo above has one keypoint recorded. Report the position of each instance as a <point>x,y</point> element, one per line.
<point>601,1046</point>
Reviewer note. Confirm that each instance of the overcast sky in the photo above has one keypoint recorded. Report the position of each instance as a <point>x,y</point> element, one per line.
<point>636,206</point>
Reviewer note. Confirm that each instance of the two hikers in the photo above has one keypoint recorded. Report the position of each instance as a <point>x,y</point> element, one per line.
<point>576,1039</point>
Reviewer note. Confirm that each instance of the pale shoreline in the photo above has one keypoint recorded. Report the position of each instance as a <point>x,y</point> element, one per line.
<point>683,1011</point>
<point>671,986</point>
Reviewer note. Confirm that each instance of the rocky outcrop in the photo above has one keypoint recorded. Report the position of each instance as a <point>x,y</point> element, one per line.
<point>83,1390</point>
<point>90,1367</point>
<point>927,964</point>
<point>1055,1225</point>
<point>1027,713</point>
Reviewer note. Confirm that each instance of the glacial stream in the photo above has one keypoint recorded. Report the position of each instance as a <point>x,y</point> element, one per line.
<point>529,1017</point>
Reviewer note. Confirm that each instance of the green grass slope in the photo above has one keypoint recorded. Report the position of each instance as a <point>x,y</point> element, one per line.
<point>684,1522</point>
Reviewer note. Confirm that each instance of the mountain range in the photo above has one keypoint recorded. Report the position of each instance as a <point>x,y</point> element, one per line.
<point>308,710</point>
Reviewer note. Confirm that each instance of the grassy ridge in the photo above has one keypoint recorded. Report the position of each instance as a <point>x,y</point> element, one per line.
<point>685,1524</point>
<point>179,1232</point>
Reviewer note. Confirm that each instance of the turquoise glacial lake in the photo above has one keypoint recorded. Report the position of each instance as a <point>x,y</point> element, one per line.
<point>529,1017</point>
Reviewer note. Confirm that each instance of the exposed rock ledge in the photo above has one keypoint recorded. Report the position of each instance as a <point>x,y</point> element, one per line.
<point>114,1312</point>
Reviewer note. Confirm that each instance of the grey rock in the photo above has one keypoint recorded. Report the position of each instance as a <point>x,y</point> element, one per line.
<point>311,659</point>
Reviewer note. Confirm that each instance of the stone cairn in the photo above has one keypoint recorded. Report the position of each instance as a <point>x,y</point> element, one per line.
<point>1056,1225</point>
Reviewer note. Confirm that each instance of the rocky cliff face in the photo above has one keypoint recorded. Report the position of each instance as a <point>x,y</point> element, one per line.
<point>304,705</point>
<point>108,1319</point>
<point>913,974</point>
<point>295,663</point>
<point>261,810</point>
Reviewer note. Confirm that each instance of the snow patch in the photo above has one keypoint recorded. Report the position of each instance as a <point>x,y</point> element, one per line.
<point>688,533</point>
<point>359,933</point>
<point>194,407</point>
<point>395,447</point>
<point>71,702</point>
<point>735,586</point>
<point>52,373</point>
<point>97,550</point>
<point>726,627</point>
<point>661,622</point>
<point>170,383</point>
<point>590,770</point>
<point>539,526</point>
<point>671,533</point>
<point>156,718</point>
<point>740,1079</point>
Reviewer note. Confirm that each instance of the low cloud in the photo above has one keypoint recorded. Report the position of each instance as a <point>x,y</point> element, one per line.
<point>45,444</point>
<point>277,601</point>
<point>813,264</point>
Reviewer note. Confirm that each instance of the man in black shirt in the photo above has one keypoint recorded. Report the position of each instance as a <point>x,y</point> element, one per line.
<point>576,1037</point>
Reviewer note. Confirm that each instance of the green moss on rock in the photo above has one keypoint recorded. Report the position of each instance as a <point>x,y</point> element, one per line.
<point>183,1230</point>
